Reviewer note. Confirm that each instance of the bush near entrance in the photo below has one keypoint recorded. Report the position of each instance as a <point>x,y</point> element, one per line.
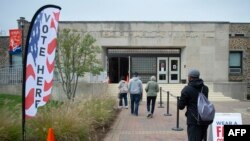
<point>86,120</point>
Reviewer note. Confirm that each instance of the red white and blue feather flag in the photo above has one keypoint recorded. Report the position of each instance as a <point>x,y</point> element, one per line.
<point>39,59</point>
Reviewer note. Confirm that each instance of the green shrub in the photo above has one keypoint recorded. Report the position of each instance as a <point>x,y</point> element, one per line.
<point>64,119</point>
<point>101,109</point>
<point>82,120</point>
<point>72,121</point>
<point>10,122</point>
<point>101,112</point>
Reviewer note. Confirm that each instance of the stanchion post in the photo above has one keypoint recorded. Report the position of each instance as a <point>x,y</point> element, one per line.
<point>177,128</point>
<point>160,99</point>
<point>167,114</point>
<point>161,102</point>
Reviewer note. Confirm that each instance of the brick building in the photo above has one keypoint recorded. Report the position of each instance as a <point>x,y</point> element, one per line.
<point>220,50</point>
<point>239,47</point>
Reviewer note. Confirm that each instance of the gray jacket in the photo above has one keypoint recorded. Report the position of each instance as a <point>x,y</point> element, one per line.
<point>135,86</point>
<point>123,86</point>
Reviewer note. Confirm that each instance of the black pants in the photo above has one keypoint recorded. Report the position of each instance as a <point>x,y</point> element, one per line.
<point>151,99</point>
<point>197,132</point>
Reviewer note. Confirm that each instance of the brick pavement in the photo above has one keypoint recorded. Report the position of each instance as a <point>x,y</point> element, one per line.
<point>128,127</point>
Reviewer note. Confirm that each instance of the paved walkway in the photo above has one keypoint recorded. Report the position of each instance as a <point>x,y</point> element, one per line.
<point>128,127</point>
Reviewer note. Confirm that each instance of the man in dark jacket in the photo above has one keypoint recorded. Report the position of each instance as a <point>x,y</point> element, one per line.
<point>196,129</point>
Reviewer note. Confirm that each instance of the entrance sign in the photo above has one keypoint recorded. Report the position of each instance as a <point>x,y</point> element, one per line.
<point>222,119</point>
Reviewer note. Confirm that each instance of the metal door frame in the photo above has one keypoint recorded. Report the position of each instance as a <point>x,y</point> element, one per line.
<point>162,72</point>
<point>174,72</point>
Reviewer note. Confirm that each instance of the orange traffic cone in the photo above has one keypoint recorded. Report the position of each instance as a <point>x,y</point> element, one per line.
<point>51,136</point>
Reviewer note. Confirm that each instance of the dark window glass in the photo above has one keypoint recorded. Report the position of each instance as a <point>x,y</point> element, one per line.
<point>174,65</point>
<point>235,62</point>
<point>174,77</point>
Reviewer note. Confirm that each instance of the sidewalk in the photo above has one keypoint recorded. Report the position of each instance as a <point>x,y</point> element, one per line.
<point>128,127</point>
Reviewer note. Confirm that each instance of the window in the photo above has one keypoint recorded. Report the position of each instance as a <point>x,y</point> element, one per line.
<point>239,35</point>
<point>235,62</point>
<point>17,59</point>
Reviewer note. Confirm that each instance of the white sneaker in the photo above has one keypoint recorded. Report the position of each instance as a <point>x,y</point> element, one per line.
<point>126,107</point>
<point>149,114</point>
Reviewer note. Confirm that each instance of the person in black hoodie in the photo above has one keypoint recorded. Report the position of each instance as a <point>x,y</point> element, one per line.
<point>196,129</point>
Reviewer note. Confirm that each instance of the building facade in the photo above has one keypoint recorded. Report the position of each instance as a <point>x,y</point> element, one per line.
<point>164,49</point>
<point>220,50</point>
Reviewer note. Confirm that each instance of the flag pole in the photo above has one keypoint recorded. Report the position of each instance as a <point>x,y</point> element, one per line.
<point>23,105</point>
<point>24,77</point>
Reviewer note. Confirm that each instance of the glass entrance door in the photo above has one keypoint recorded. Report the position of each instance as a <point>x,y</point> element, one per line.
<point>118,66</point>
<point>174,70</point>
<point>162,69</point>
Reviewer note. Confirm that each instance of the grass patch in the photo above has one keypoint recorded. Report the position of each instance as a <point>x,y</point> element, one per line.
<point>9,100</point>
<point>10,119</point>
<point>88,119</point>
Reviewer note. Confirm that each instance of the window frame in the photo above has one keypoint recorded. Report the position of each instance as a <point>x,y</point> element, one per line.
<point>236,67</point>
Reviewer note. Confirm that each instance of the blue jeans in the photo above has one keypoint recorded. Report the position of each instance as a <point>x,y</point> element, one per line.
<point>123,96</point>
<point>135,99</point>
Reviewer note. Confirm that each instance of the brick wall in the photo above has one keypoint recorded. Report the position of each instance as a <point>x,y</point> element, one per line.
<point>4,55</point>
<point>241,43</point>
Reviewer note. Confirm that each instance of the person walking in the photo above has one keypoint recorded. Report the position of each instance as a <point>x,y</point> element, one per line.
<point>196,129</point>
<point>152,88</point>
<point>123,90</point>
<point>135,90</point>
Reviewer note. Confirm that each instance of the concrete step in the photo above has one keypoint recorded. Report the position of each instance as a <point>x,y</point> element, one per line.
<point>212,97</point>
<point>175,90</point>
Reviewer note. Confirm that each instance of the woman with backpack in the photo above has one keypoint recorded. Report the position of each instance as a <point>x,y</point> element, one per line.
<point>123,91</point>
